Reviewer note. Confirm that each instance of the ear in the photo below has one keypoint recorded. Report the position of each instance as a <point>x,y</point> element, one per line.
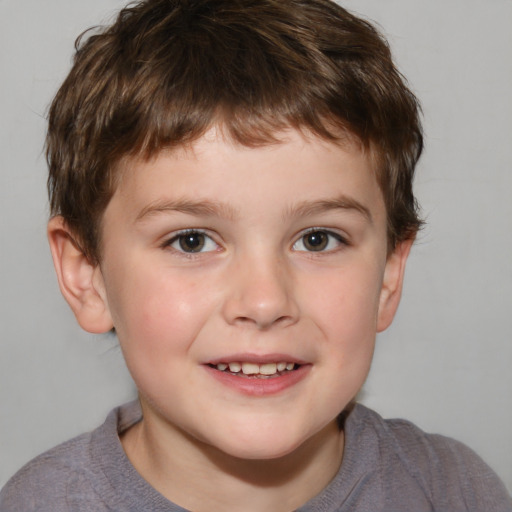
<point>80,281</point>
<point>391,290</point>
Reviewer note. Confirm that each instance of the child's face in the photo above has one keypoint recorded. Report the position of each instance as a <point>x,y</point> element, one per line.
<point>223,255</point>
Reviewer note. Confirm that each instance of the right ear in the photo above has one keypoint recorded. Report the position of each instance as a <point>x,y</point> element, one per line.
<point>80,281</point>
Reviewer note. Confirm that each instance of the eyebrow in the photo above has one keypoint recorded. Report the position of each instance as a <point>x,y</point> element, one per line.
<point>197,208</point>
<point>219,209</point>
<point>339,203</point>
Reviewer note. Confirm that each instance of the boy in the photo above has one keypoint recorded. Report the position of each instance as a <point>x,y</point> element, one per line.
<point>231,191</point>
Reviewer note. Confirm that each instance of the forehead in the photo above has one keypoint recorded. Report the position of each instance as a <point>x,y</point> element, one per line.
<point>296,170</point>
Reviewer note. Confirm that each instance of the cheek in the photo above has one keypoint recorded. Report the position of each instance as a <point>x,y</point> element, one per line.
<point>346,314</point>
<point>346,301</point>
<point>157,320</point>
<point>157,309</point>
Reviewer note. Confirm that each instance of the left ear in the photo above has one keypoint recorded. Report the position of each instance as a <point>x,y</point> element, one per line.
<point>391,290</point>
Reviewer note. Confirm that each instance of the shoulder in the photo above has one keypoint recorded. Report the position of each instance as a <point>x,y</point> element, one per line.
<point>48,478</point>
<point>452,476</point>
<point>69,475</point>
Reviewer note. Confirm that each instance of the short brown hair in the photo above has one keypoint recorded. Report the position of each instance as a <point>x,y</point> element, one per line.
<point>167,70</point>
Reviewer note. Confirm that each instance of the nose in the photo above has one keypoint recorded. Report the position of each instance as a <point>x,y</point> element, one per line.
<point>260,293</point>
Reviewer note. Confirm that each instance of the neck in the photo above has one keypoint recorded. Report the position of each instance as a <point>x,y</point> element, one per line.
<point>199,477</point>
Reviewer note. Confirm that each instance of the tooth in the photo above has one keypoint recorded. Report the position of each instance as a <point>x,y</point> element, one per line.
<point>290,366</point>
<point>281,367</point>
<point>268,369</point>
<point>222,366</point>
<point>250,368</point>
<point>235,367</point>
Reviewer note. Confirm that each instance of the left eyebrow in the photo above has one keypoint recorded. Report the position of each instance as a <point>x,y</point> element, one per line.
<point>325,205</point>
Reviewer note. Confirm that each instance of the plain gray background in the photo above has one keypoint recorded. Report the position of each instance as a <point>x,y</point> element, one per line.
<point>445,363</point>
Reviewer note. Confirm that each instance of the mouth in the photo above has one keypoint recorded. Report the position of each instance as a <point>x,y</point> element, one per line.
<point>251,370</point>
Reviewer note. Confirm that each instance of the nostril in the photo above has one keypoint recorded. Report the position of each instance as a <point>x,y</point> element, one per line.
<point>264,323</point>
<point>259,300</point>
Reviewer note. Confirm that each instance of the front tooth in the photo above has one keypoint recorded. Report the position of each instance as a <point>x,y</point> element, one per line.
<point>235,367</point>
<point>268,369</point>
<point>281,367</point>
<point>250,368</point>
<point>222,366</point>
<point>290,366</point>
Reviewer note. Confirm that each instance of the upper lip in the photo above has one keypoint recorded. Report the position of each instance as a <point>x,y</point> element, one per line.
<point>256,359</point>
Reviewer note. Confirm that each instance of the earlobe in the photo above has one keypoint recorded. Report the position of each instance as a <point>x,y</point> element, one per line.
<point>391,290</point>
<point>80,281</point>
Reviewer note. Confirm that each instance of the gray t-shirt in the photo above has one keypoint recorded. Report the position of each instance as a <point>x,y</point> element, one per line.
<point>388,466</point>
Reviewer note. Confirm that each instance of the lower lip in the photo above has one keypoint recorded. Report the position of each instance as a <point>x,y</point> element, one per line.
<point>256,386</point>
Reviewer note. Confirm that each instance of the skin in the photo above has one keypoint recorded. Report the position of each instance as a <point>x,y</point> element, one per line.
<point>257,290</point>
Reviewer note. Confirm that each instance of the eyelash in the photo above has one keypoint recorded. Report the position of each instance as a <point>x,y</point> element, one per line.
<point>325,239</point>
<point>181,235</point>
<point>339,239</point>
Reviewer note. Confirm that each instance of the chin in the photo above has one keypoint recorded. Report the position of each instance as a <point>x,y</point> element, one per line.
<point>260,443</point>
<point>260,452</point>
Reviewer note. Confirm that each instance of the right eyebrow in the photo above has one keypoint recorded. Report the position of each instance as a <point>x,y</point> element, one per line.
<point>190,207</point>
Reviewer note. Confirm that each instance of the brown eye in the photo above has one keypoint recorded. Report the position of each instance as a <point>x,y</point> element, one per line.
<point>319,240</point>
<point>316,241</point>
<point>191,242</point>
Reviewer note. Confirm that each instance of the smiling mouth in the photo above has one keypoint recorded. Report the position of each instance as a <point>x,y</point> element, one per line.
<point>254,370</point>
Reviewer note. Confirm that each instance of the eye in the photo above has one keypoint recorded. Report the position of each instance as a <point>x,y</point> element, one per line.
<point>318,240</point>
<point>192,242</point>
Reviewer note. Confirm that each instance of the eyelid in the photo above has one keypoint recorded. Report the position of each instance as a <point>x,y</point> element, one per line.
<point>341,239</point>
<point>174,237</point>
